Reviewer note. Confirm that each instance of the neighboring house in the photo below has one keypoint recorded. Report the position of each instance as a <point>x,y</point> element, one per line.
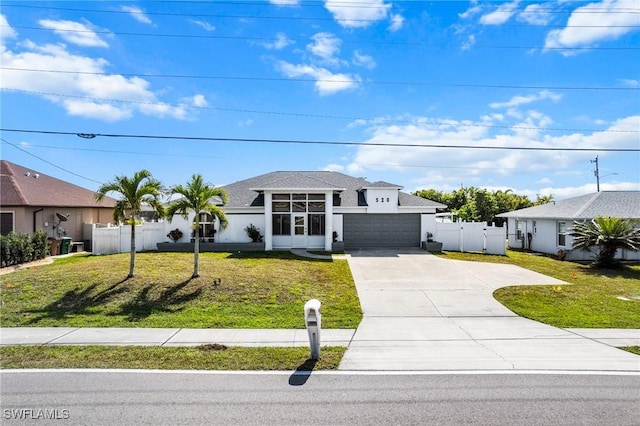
<point>544,228</point>
<point>31,201</point>
<point>315,209</point>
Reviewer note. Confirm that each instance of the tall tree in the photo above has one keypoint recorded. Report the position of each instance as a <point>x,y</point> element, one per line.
<point>608,234</point>
<point>134,192</point>
<point>198,197</point>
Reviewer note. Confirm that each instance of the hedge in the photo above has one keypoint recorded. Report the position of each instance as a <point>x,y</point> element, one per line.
<point>17,248</point>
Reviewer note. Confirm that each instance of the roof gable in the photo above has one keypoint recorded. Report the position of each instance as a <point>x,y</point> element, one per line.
<point>23,187</point>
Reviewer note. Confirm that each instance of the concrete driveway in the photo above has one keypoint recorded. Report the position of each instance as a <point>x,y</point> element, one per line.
<point>422,312</point>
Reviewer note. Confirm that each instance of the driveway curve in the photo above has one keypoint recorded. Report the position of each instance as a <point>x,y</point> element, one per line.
<point>423,312</point>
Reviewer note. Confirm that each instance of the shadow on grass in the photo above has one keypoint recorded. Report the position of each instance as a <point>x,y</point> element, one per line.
<point>620,271</point>
<point>144,304</point>
<point>302,373</point>
<point>78,301</point>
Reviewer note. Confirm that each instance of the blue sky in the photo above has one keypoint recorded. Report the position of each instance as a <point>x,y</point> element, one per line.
<point>454,75</point>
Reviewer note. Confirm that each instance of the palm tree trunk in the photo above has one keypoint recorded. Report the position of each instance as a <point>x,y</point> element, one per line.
<point>132,259</point>
<point>196,251</point>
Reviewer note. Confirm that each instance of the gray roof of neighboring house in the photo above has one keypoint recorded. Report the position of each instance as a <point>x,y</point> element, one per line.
<point>22,187</point>
<point>623,204</point>
<point>347,189</point>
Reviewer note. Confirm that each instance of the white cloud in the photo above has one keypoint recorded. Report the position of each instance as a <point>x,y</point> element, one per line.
<point>137,14</point>
<point>629,83</point>
<point>74,32</point>
<point>358,13</point>
<point>326,83</point>
<point>199,101</point>
<point>501,14</point>
<point>333,168</point>
<point>203,24</point>
<point>397,21</point>
<point>594,23</point>
<point>87,93</point>
<point>536,14</point>
<point>469,42</point>
<point>482,165</point>
<point>246,123</point>
<point>325,46</point>
<point>281,41</point>
<point>523,100</point>
<point>474,9</point>
<point>6,31</point>
<point>363,60</point>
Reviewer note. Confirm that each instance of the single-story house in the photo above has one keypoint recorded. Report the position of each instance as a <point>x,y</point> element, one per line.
<point>31,201</point>
<point>545,228</point>
<point>323,210</point>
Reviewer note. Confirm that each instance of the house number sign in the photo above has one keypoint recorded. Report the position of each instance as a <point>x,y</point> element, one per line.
<point>382,200</point>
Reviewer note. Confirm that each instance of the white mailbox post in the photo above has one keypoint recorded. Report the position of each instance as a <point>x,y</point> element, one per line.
<point>312,319</point>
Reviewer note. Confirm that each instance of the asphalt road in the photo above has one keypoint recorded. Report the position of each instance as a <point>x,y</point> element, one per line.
<point>174,398</point>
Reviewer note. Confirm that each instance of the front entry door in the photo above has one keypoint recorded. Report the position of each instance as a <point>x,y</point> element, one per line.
<point>299,231</point>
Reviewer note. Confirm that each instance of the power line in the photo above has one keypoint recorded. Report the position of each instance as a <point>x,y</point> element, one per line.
<point>49,162</point>
<point>88,135</point>
<point>359,42</point>
<point>433,121</point>
<point>313,80</point>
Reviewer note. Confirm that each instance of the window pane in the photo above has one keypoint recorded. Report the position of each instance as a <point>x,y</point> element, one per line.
<point>316,224</point>
<point>7,223</point>
<point>316,197</point>
<point>281,224</point>
<point>316,206</point>
<point>299,206</point>
<point>299,196</point>
<point>279,197</point>
<point>281,206</point>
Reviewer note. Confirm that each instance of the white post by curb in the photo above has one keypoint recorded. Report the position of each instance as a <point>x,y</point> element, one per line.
<point>312,319</point>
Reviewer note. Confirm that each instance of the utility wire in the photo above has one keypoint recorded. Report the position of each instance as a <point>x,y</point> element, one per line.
<point>48,162</point>
<point>359,42</point>
<point>313,80</point>
<point>432,121</point>
<point>315,142</point>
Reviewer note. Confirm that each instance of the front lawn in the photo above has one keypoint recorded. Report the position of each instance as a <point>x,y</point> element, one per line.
<point>239,290</point>
<point>595,298</point>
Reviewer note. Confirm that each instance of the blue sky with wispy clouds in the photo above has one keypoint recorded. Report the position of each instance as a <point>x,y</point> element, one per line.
<point>418,86</point>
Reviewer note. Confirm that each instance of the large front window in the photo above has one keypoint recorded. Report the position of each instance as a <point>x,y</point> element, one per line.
<point>7,223</point>
<point>286,211</point>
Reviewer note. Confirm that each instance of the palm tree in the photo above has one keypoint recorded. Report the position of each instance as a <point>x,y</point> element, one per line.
<point>136,191</point>
<point>609,234</point>
<point>197,197</point>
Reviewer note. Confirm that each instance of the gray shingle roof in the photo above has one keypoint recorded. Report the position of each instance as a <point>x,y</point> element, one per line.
<point>624,204</point>
<point>21,187</point>
<point>245,193</point>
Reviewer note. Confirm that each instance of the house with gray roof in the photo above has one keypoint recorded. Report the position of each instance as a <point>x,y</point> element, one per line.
<point>545,228</point>
<point>322,210</point>
<point>31,201</point>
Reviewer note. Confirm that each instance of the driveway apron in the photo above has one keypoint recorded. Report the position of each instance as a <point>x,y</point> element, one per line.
<point>423,312</point>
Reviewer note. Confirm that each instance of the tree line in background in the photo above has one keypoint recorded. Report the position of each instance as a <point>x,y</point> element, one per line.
<point>480,205</point>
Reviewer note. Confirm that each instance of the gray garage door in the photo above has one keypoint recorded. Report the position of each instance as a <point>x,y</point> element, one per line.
<point>381,230</point>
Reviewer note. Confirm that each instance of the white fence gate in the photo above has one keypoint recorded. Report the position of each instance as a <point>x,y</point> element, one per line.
<point>471,236</point>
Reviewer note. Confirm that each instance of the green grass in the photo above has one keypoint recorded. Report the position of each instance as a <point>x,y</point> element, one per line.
<point>592,300</point>
<point>255,290</point>
<point>207,357</point>
<point>632,349</point>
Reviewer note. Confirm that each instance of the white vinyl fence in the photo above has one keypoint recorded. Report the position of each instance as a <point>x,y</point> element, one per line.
<point>471,236</point>
<point>107,239</point>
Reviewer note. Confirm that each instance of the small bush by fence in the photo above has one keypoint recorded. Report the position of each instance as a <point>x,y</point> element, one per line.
<point>17,248</point>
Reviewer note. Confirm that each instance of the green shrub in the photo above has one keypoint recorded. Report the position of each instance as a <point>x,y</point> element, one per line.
<point>17,248</point>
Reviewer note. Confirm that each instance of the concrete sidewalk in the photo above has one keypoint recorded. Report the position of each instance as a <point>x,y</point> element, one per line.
<point>168,336</point>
